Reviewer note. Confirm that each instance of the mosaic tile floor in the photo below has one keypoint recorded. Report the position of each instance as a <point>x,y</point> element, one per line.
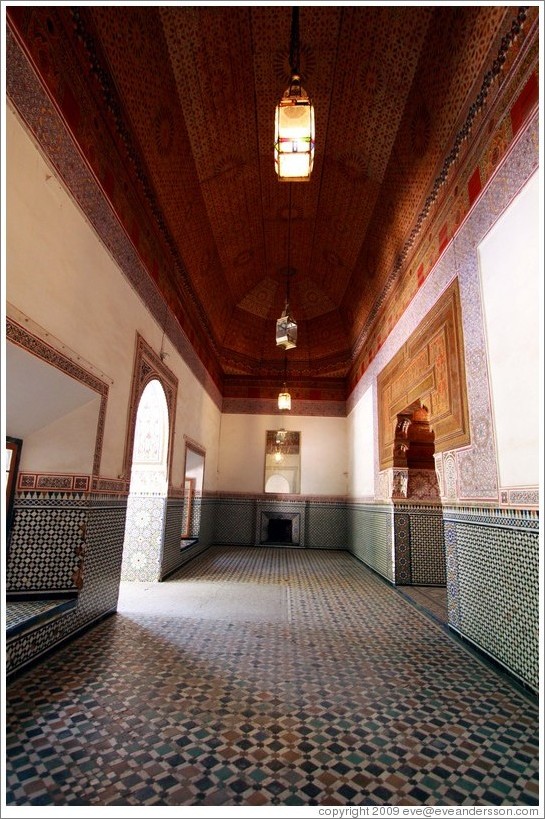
<point>430,599</point>
<point>318,685</point>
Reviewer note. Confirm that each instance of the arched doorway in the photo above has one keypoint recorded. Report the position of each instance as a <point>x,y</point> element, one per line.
<point>193,488</point>
<point>146,506</point>
<point>414,450</point>
<point>419,547</point>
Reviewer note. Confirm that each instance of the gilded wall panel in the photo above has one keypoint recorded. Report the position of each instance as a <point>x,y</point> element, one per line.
<point>428,368</point>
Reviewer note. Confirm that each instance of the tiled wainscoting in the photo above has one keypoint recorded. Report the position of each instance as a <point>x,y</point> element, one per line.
<point>47,529</point>
<point>173,557</point>
<point>370,534</point>
<point>170,559</point>
<point>144,534</point>
<point>104,520</point>
<point>153,530</point>
<point>402,542</point>
<point>491,558</point>
<point>419,545</point>
<point>493,584</point>
<point>242,521</point>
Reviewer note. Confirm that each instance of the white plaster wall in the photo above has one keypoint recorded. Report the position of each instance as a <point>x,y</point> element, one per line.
<point>195,466</point>
<point>510,274</point>
<point>361,448</point>
<point>67,445</point>
<point>60,275</point>
<point>323,452</point>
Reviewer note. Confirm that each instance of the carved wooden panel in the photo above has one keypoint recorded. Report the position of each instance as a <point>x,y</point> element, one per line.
<point>428,368</point>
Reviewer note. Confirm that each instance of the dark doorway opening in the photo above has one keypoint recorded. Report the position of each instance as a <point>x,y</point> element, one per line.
<point>279,530</point>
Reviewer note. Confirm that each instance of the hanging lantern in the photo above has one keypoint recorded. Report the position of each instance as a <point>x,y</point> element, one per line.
<point>284,399</point>
<point>286,330</point>
<point>294,134</point>
<point>294,121</point>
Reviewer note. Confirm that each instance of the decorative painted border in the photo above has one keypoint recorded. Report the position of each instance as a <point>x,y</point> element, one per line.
<point>194,445</point>
<point>35,346</point>
<point>520,496</point>
<point>493,516</point>
<point>242,497</point>
<point>269,406</point>
<point>46,482</point>
<point>109,486</point>
<point>176,493</point>
<point>40,116</point>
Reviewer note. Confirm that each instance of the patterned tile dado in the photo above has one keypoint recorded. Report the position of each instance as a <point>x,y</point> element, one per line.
<point>101,572</point>
<point>370,536</point>
<point>143,541</point>
<point>350,697</point>
<point>428,563</point>
<point>47,530</point>
<point>170,558</point>
<point>234,521</point>
<point>493,584</point>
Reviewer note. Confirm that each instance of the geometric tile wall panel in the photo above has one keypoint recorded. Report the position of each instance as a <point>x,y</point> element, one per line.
<point>144,529</point>
<point>170,559</point>
<point>47,529</point>
<point>428,565</point>
<point>326,526</point>
<point>102,566</point>
<point>209,513</point>
<point>370,536</point>
<point>402,548</point>
<point>239,521</point>
<point>235,521</point>
<point>429,367</point>
<point>103,556</point>
<point>173,556</point>
<point>496,585</point>
<point>419,546</point>
<point>195,516</point>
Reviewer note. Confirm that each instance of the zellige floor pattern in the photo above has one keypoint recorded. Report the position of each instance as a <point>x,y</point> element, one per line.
<point>263,676</point>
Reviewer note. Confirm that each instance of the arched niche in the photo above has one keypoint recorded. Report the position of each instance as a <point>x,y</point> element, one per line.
<point>148,366</point>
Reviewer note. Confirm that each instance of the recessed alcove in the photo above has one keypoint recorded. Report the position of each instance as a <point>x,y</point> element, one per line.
<point>280,528</point>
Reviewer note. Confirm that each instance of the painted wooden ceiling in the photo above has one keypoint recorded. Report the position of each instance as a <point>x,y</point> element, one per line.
<point>172,108</point>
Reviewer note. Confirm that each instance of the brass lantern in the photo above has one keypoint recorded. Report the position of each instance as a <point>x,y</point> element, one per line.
<point>294,121</point>
<point>286,330</point>
<point>284,399</point>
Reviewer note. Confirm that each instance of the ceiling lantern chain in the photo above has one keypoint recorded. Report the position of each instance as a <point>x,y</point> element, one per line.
<point>294,121</point>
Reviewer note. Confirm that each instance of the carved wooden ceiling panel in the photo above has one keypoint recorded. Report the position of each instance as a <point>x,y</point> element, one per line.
<point>172,107</point>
